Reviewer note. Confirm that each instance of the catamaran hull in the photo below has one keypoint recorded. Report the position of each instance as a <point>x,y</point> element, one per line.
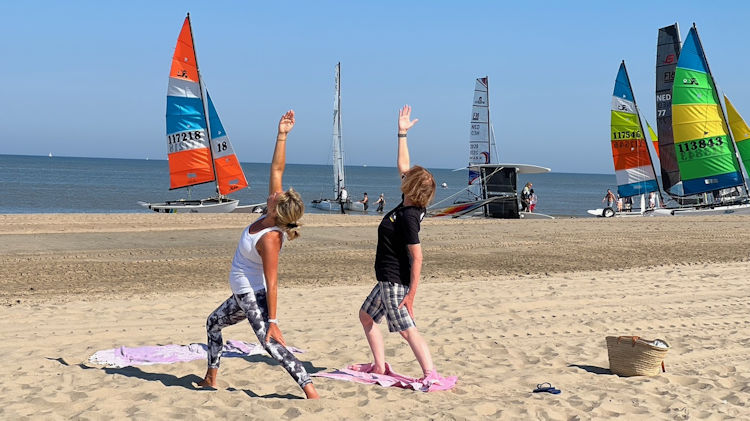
<point>533,215</point>
<point>612,213</point>
<point>327,205</point>
<point>331,206</point>
<point>256,208</point>
<point>193,206</point>
<point>355,206</point>
<point>743,209</point>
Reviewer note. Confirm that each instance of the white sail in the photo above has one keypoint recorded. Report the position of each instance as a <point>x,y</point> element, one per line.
<point>480,145</point>
<point>338,152</point>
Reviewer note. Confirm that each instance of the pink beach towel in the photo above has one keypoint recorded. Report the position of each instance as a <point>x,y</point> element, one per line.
<point>168,354</point>
<point>392,379</point>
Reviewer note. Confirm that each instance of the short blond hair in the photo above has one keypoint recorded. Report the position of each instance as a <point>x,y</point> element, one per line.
<point>289,210</point>
<point>418,185</point>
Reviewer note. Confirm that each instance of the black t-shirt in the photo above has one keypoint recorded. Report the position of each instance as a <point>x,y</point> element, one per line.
<point>398,229</point>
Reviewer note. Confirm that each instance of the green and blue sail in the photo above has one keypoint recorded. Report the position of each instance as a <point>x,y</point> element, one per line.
<point>703,146</point>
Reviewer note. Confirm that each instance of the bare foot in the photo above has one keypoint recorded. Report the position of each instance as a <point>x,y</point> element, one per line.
<point>210,379</point>
<point>310,392</point>
<point>367,368</point>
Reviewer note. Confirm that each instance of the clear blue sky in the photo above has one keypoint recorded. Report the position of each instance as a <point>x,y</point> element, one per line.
<point>90,78</point>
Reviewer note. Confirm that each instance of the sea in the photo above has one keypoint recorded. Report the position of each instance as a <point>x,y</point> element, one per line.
<point>42,184</point>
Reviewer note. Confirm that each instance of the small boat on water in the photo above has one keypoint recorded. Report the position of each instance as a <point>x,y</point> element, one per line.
<point>198,148</point>
<point>333,204</point>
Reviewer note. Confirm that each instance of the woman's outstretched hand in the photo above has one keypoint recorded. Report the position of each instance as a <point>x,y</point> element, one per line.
<point>287,122</point>
<point>275,333</point>
<point>404,122</point>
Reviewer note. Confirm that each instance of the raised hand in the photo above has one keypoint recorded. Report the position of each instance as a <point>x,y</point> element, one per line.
<point>287,122</point>
<point>404,122</point>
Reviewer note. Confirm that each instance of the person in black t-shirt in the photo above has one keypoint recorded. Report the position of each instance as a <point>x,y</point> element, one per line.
<point>398,264</point>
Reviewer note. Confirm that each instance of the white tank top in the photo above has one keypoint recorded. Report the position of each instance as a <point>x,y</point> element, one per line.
<point>246,274</point>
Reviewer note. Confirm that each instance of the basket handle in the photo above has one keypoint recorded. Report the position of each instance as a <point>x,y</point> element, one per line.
<point>632,338</point>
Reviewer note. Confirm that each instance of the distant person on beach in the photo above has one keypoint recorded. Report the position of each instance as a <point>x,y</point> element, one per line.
<point>525,197</point>
<point>364,201</point>
<point>609,198</point>
<point>381,203</point>
<point>398,264</point>
<point>254,274</point>
<point>343,197</point>
<point>532,200</point>
<point>651,200</point>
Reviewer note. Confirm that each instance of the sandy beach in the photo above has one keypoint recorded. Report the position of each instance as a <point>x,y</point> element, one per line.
<point>504,305</point>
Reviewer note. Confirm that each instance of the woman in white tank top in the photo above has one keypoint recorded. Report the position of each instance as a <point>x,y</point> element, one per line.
<point>254,274</point>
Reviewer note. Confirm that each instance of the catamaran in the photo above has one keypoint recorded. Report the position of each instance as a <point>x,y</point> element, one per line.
<point>334,204</point>
<point>492,185</point>
<point>707,162</point>
<point>634,167</point>
<point>198,148</point>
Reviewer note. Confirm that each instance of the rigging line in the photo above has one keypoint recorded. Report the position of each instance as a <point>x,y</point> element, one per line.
<point>463,190</point>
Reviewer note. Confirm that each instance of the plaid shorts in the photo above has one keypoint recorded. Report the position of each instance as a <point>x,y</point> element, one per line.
<point>383,301</point>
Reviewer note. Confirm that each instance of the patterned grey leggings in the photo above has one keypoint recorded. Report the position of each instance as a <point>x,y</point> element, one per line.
<point>255,308</point>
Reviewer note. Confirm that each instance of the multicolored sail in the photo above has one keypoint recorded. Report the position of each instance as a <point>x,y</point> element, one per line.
<point>667,54</point>
<point>633,167</point>
<point>229,175</point>
<point>740,132</point>
<point>187,141</point>
<point>703,147</point>
<point>460,209</point>
<point>654,138</point>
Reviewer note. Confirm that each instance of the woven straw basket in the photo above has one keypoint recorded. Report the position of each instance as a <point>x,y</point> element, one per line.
<point>633,356</point>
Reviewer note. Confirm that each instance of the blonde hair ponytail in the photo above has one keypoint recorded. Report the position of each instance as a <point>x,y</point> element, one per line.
<point>289,210</point>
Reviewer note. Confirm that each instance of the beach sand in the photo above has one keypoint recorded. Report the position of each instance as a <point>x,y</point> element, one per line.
<point>504,305</point>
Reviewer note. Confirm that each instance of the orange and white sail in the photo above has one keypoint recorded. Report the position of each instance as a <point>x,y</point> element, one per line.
<point>187,132</point>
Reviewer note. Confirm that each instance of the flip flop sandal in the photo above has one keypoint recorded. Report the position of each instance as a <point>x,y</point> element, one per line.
<point>547,387</point>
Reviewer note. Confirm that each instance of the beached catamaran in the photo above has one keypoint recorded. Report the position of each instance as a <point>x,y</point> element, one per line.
<point>337,149</point>
<point>704,149</point>
<point>634,167</point>
<point>492,185</point>
<point>198,148</point>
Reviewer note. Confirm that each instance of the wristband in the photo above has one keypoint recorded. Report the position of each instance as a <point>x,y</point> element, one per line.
<point>274,321</point>
<point>402,135</point>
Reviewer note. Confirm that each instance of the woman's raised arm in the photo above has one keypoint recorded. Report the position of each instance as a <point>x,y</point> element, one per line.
<point>404,124</point>
<point>279,153</point>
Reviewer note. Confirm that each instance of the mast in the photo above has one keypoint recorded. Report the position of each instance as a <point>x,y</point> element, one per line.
<point>489,124</point>
<point>205,110</point>
<point>643,132</point>
<point>723,114</point>
<point>338,153</point>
